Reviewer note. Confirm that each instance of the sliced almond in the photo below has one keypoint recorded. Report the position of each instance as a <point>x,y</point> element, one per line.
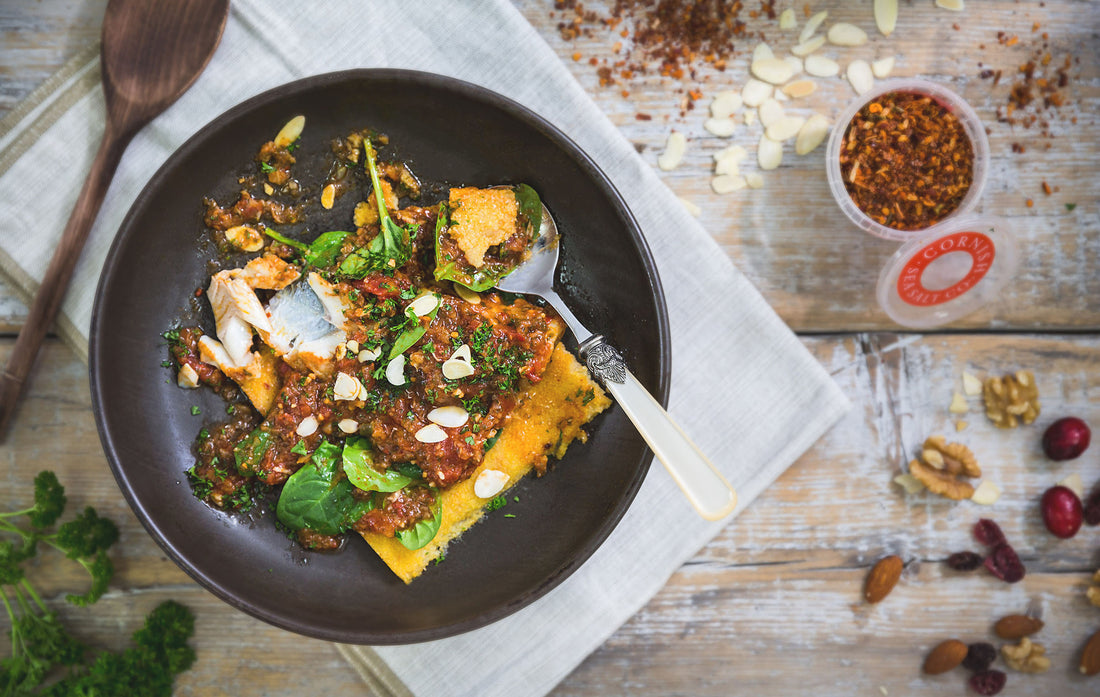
<point>347,388</point>
<point>770,112</point>
<point>395,370</point>
<point>431,434</point>
<point>956,5</point>
<point>772,70</point>
<point>368,355</point>
<point>690,206</point>
<point>423,305</point>
<point>449,417</point>
<point>807,47</point>
<point>860,77</point>
<point>796,64</point>
<point>971,385</point>
<point>845,34</point>
<point>307,426</point>
<point>958,404</point>
<point>352,346</point>
<point>462,353</point>
<point>750,117</point>
<point>762,51</point>
<point>787,19</point>
<point>799,88</point>
<point>290,132</point>
<point>886,16</point>
<point>675,147</point>
<point>811,26</point>
<point>911,484</point>
<point>470,296</point>
<point>348,425</point>
<point>755,92</point>
<point>785,128</point>
<point>769,154</point>
<point>986,494</point>
<point>725,103</point>
<point>489,483</point>
<point>245,237</point>
<point>820,66</point>
<point>883,67</point>
<point>188,377</point>
<point>732,152</point>
<point>1073,483</point>
<point>727,165</point>
<point>755,180</point>
<point>723,128</point>
<point>812,134</point>
<point>726,183</point>
<point>328,196</point>
<point>961,426</point>
<point>456,370</point>
<point>268,189</point>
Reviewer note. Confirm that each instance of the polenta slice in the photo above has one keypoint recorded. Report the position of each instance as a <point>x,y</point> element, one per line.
<point>546,421</point>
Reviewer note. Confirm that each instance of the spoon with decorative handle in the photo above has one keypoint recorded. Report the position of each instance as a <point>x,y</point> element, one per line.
<point>151,53</point>
<point>705,488</point>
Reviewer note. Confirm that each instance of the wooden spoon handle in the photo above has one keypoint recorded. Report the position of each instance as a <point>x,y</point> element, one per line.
<point>56,280</point>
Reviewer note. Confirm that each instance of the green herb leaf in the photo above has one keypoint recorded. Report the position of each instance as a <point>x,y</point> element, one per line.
<point>1070,206</point>
<point>316,496</point>
<point>278,237</point>
<point>249,453</point>
<point>410,335</point>
<point>300,448</point>
<point>323,250</point>
<point>392,247</point>
<point>358,462</point>
<point>195,411</point>
<point>424,531</point>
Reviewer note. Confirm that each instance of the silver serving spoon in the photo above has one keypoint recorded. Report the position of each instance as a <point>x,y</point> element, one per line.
<point>705,488</point>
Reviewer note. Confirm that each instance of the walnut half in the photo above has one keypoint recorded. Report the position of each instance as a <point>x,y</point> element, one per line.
<point>943,466</point>
<point>1012,398</point>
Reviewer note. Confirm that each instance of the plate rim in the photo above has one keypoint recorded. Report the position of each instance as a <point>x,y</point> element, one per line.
<point>288,90</point>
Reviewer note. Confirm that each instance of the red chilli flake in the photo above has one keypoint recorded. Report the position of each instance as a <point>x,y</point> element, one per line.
<point>1003,563</point>
<point>988,533</point>
<point>988,682</point>
<point>906,161</point>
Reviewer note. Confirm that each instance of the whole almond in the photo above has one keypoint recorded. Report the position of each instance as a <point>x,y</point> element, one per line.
<point>1017,626</point>
<point>1090,657</point>
<point>883,577</point>
<point>945,656</point>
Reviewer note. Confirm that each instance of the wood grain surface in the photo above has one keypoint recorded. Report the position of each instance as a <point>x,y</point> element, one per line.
<point>772,606</point>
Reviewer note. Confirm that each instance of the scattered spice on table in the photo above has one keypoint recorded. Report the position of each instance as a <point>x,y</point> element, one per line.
<point>906,161</point>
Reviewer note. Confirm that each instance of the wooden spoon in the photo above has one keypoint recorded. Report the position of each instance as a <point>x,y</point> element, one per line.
<point>152,51</point>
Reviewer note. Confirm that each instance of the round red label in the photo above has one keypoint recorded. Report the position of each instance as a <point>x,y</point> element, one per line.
<point>981,250</point>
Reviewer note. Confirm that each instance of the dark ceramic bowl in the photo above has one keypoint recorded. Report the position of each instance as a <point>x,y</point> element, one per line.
<point>448,131</point>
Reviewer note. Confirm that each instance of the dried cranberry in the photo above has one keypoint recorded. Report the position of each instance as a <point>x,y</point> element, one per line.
<point>988,682</point>
<point>1092,508</point>
<point>1003,563</point>
<point>979,657</point>
<point>964,561</point>
<point>988,533</point>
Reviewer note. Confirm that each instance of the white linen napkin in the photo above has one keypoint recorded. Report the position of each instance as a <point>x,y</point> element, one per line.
<point>764,405</point>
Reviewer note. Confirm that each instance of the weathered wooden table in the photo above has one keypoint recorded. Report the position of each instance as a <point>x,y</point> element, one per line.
<point>773,605</point>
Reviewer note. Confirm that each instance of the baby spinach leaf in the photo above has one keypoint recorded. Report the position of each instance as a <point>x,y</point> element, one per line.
<point>359,466</point>
<point>249,453</point>
<point>411,334</point>
<point>323,250</point>
<point>530,209</point>
<point>423,532</point>
<point>316,496</point>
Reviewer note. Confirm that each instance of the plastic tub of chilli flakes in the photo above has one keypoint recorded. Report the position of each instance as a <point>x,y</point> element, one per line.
<point>953,261</point>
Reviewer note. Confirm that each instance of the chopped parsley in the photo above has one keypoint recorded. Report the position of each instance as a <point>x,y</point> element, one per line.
<point>195,411</point>
<point>496,502</point>
<point>267,167</point>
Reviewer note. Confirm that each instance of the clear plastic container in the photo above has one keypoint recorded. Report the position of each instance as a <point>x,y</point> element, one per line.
<point>949,269</point>
<point>955,104</point>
